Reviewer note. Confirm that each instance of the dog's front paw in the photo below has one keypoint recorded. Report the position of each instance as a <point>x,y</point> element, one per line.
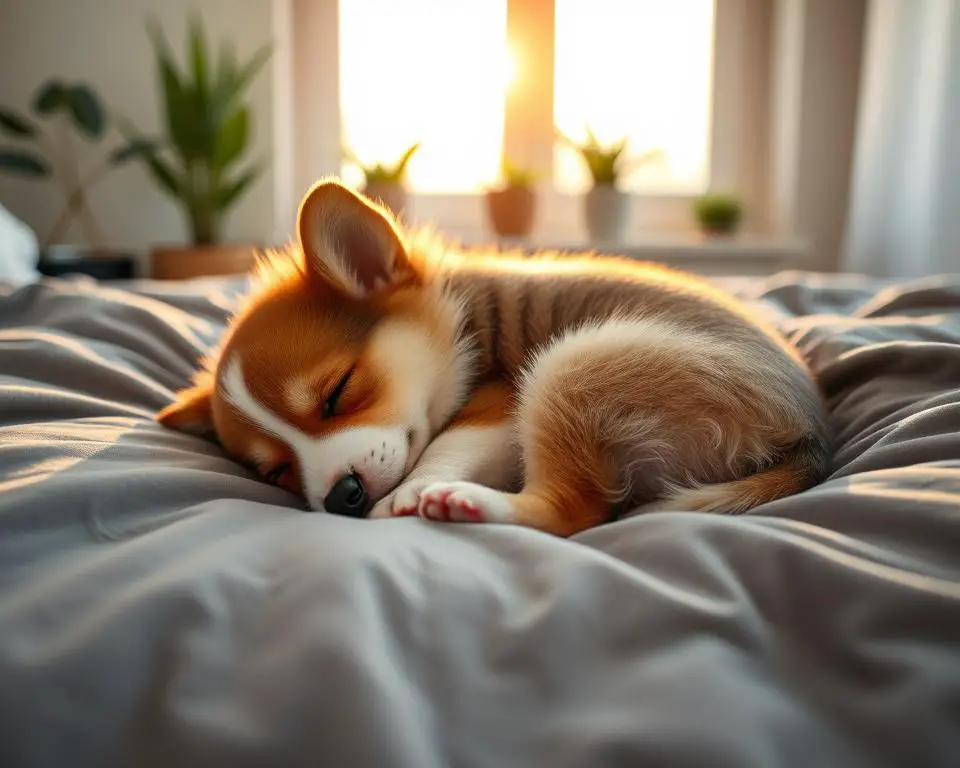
<point>403,501</point>
<point>462,502</point>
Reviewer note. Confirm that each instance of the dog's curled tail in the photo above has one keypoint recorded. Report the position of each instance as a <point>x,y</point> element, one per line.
<point>806,464</point>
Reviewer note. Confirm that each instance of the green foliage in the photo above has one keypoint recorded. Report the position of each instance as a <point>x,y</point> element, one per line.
<point>15,124</point>
<point>608,164</point>
<point>44,153</point>
<point>80,102</point>
<point>207,128</point>
<point>22,162</point>
<point>718,211</point>
<point>515,175</point>
<point>381,173</point>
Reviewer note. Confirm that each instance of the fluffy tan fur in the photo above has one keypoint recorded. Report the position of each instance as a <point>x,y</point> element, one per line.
<point>627,384</point>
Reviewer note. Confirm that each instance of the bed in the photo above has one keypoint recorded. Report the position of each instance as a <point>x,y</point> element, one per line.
<point>160,606</point>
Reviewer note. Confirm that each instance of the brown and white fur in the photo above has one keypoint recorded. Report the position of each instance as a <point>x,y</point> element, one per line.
<point>550,391</point>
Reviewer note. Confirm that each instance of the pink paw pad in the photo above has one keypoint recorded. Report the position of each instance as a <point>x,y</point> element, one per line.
<point>447,505</point>
<point>434,505</point>
<point>464,502</point>
<point>464,510</point>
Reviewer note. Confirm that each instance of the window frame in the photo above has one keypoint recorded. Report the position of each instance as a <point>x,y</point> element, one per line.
<point>737,142</point>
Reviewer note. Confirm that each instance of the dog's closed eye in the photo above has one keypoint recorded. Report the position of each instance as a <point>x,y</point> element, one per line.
<point>329,408</point>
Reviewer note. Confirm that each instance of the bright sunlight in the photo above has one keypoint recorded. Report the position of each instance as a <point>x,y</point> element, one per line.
<point>641,69</point>
<point>434,71</point>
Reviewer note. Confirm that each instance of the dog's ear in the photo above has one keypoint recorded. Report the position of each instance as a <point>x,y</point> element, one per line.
<point>350,242</point>
<point>190,412</point>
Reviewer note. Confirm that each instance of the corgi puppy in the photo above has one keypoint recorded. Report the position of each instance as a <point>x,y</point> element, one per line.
<point>378,374</point>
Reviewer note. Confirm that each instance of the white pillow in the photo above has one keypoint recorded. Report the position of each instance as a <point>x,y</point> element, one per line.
<point>18,250</point>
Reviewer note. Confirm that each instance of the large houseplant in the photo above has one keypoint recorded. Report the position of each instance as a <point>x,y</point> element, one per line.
<point>200,163</point>
<point>44,146</point>
<point>606,206</point>
<point>386,183</point>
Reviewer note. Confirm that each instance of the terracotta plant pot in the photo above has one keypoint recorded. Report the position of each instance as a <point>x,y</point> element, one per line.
<point>606,214</point>
<point>724,231</point>
<point>512,210</point>
<point>391,194</point>
<point>183,262</point>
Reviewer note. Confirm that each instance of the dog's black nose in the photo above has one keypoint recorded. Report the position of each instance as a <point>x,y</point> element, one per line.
<point>348,497</point>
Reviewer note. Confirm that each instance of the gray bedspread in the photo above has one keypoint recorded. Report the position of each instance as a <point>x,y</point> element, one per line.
<point>160,606</point>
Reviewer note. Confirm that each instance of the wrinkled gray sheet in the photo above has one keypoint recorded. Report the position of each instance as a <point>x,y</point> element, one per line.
<point>159,606</point>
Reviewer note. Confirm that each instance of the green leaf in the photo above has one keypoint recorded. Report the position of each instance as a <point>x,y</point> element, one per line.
<point>515,175</point>
<point>231,191</point>
<point>198,55</point>
<point>205,121</point>
<point>164,176</point>
<point>378,173</point>
<point>142,148</point>
<point>87,110</point>
<point>16,124</point>
<point>564,139</point>
<point>53,96</point>
<point>650,156</point>
<point>138,146</point>
<point>23,163</point>
<point>232,81</point>
<point>223,89</point>
<point>401,166</point>
<point>160,45</point>
<point>351,157</point>
<point>718,211</point>
<point>232,139</point>
<point>250,69</point>
<point>181,117</point>
<point>178,99</point>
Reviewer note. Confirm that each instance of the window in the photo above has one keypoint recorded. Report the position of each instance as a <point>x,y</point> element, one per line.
<point>474,79</point>
<point>429,71</point>
<point>639,70</point>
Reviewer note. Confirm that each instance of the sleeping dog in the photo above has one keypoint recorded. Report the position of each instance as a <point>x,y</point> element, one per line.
<point>380,373</point>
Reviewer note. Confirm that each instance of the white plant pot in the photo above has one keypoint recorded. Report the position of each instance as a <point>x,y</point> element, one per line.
<point>606,213</point>
<point>394,196</point>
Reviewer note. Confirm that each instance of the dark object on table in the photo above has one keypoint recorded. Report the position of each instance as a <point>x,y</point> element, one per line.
<point>61,262</point>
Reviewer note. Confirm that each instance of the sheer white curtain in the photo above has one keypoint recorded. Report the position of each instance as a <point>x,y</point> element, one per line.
<point>904,217</point>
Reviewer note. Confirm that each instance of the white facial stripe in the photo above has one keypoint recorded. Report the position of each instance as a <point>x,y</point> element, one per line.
<point>377,454</point>
<point>238,394</point>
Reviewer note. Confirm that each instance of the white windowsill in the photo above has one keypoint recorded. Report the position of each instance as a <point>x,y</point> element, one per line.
<point>743,254</point>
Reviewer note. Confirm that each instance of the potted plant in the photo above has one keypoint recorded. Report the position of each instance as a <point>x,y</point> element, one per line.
<point>512,207</point>
<point>385,183</point>
<point>45,147</point>
<point>718,213</point>
<point>606,207</point>
<point>199,164</point>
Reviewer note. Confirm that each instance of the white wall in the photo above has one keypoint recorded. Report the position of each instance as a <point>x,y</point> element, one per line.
<point>105,43</point>
<point>814,82</point>
<point>816,64</point>
<point>317,143</point>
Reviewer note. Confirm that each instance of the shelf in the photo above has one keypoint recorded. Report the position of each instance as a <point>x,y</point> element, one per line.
<point>745,254</point>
